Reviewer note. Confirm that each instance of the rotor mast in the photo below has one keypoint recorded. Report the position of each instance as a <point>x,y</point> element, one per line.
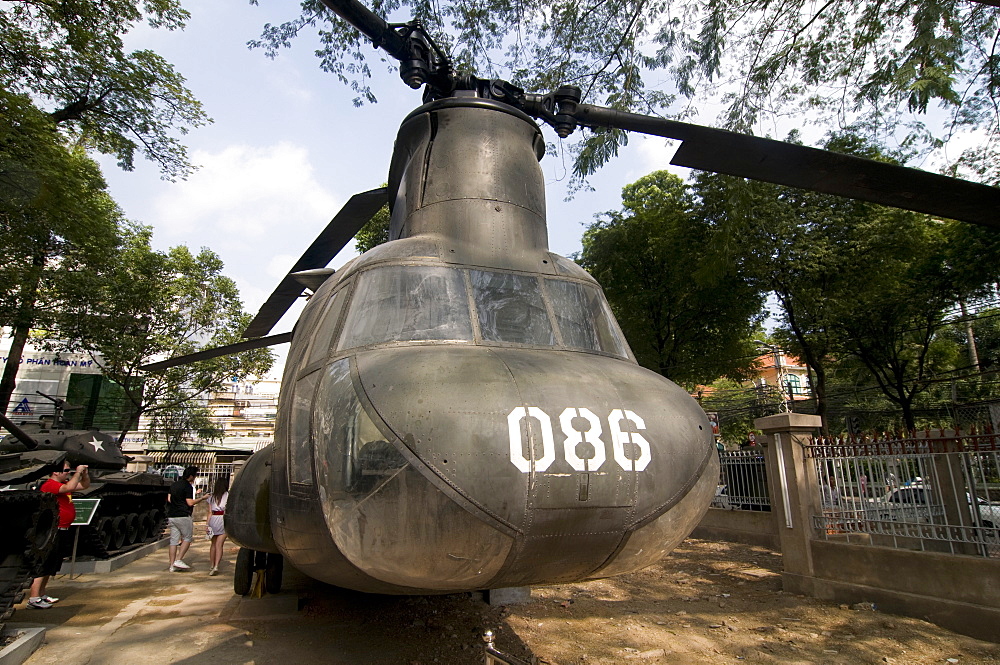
<point>706,148</point>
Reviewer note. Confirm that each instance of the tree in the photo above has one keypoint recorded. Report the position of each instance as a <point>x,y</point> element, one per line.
<point>980,379</point>
<point>738,406</point>
<point>779,232</point>
<point>851,278</point>
<point>174,425</point>
<point>986,327</point>
<point>66,86</point>
<point>894,325</point>
<point>71,60</point>
<point>374,232</point>
<point>797,248</point>
<point>158,305</point>
<point>58,227</point>
<point>686,315</point>
<point>885,64</point>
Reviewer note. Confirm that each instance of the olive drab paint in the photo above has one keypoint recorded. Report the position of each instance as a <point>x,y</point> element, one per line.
<point>459,408</point>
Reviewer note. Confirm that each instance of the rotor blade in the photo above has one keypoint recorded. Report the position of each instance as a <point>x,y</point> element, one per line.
<point>218,351</point>
<point>344,226</point>
<point>718,150</point>
<point>371,25</point>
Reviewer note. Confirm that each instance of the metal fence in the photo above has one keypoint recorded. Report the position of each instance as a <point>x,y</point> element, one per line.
<point>742,481</point>
<point>207,474</point>
<point>928,491</point>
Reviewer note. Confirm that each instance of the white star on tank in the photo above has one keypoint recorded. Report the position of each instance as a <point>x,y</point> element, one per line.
<point>98,445</point>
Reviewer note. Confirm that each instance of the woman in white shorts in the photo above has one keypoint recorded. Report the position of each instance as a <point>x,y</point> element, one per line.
<point>216,528</point>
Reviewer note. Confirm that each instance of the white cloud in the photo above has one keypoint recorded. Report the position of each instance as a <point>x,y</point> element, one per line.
<point>253,294</point>
<point>279,265</point>
<point>654,154</point>
<point>247,190</point>
<point>258,207</point>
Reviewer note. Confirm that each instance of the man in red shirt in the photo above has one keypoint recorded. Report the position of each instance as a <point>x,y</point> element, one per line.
<point>62,483</point>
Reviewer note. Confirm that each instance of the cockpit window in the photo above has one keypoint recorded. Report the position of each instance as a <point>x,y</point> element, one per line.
<point>583,318</point>
<point>431,303</point>
<point>406,303</point>
<point>511,308</point>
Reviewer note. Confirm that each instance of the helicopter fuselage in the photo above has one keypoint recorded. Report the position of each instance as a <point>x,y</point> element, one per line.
<point>459,408</point>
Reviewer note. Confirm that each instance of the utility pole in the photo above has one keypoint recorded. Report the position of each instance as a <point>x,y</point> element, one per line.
<point>779,371</point>
<point>970,334</point>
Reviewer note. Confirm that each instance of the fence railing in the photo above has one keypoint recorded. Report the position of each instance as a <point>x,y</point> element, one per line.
<point>207,474</point>
<point>742,481</point>
<point>934,491</point>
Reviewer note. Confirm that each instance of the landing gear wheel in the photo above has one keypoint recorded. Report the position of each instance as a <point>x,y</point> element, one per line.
<point>243,577</point>
<point>272,573</point>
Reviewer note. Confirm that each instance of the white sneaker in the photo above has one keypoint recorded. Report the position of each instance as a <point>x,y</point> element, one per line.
<point>214,571</point>
<point>180,565</point>
<point>50,599</point>
<point>171,569</point>
<point>39,603</point>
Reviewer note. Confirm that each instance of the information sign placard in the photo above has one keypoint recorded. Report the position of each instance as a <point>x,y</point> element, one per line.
<point>85,510</point>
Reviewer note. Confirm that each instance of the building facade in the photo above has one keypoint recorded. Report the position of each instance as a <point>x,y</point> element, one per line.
<point>245,411</point>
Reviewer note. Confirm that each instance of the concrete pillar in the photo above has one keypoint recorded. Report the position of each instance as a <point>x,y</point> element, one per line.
<point>794,490</point>
<point>948,486</point>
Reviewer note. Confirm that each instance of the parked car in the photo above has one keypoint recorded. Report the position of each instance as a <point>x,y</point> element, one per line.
<point>727,500</point>
<point>171,471</point>
<point>988,512</point>
<point>918,503</point>
<point>721,499</point>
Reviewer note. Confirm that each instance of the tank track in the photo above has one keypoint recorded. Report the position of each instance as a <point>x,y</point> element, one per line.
<point>29,520</point>
<point>127,518</point>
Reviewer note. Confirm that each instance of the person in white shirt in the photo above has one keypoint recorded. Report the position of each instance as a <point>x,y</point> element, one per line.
<point>216,528</point>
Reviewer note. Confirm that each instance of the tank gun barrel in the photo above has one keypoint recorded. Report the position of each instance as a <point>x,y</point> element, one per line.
<point>18,432</point>
<point>55,400</point>
<point>59,402</point>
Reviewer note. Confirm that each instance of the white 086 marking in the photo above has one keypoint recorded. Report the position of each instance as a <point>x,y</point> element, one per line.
<point>575,437</point>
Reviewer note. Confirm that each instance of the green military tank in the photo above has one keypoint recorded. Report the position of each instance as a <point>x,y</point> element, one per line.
<point>131,511</point>
<point>29,520</point>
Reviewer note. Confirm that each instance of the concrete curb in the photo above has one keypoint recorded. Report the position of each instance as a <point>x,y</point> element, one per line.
<point>109,565</point>
<point>18,651</point>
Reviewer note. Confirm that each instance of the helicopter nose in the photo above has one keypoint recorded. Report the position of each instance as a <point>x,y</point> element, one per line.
<point>588,462</point>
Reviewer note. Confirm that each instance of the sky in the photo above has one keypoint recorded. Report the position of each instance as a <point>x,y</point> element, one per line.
<point>288,148</point>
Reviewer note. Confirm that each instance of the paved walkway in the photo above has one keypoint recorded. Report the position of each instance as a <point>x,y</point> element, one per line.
<point>141,614</point>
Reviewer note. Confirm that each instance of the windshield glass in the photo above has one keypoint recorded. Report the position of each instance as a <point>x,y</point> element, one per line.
<point>511,308</point>
<point>405,303</point>
<point>583,317</point>
<point>431,303</point>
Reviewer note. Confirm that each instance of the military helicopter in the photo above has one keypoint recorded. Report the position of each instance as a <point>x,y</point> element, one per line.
<point>459,409</point>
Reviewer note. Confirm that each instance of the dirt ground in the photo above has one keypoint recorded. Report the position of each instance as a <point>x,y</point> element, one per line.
<point>714,602</point>
<point>708,602</point>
